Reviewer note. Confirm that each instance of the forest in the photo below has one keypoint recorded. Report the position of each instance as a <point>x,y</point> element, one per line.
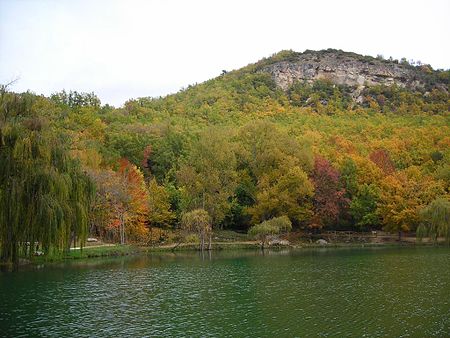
<point>235,152</point>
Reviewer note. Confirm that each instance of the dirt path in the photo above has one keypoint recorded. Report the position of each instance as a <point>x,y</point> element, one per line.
<point>93,246</point>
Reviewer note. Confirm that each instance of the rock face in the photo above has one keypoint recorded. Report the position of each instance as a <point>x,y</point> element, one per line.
<point>344,69</point>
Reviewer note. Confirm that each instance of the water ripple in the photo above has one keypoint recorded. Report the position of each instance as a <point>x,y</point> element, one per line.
<point>324,293</point>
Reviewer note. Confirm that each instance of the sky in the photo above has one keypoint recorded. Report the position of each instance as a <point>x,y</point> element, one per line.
<point>123,49</point>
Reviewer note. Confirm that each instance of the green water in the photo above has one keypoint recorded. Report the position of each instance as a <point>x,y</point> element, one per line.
<point>383,292</point>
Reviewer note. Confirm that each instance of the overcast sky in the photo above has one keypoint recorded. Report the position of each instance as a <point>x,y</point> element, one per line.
<point>123,49</point>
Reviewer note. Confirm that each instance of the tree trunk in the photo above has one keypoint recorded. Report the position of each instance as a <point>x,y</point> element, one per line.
<point>122,230</point>
<point>400,236</point>
<point>15,256</point>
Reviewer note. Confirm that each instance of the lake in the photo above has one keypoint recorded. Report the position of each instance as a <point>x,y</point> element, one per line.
<point>363,292</point>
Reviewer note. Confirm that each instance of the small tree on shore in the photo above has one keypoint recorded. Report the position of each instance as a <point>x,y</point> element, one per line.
<point>273,226</point>
<point>198,221</point>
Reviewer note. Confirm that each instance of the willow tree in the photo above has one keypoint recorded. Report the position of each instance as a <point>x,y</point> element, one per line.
<point>273,226</point>
<point>44,194</point>
<point>199,222</point>
<point>436,220</point>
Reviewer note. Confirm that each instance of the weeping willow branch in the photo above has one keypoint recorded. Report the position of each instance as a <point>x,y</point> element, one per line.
<point>44,195</point>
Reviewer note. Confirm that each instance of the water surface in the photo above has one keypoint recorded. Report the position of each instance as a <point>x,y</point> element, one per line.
<point>371,292</point>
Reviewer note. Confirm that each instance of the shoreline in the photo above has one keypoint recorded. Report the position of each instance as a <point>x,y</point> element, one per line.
<point>118,250</point>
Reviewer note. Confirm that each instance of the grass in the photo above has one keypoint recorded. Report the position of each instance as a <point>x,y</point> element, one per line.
<point>87,252</point>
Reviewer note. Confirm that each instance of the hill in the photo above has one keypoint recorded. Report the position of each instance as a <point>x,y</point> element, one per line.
<point>326,81</point>
<point>330,139</point>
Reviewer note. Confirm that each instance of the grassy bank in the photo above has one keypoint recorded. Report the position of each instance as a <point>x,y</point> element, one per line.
<point>225,240</point>
<point>91,252</point>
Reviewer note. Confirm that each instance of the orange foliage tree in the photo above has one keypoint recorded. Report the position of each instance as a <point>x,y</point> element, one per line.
<point>403,195</point>
<point>120,210</point>
<point>134,207</point>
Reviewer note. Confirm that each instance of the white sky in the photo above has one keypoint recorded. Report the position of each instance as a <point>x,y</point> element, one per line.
<point>128,49</point>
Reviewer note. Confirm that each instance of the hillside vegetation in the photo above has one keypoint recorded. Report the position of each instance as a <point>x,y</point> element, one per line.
<point>238,146</point>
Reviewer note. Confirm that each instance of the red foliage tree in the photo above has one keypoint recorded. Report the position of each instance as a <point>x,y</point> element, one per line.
<point>329,200</point>
<point>382,159</point>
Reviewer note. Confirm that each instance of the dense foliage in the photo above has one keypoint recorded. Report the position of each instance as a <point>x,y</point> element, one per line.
<point>236,147</point>
<point>44,194</point>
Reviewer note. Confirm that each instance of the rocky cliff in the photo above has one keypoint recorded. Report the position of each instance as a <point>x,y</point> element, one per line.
<point>349,69</point>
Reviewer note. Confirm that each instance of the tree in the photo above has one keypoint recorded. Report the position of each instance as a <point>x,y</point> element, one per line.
<point>163,156</point>
<point>436,218</point>
<point>44,194</point>
<point>275,163</point>
<point>159,211</point>
<point>329,198</point>
<point>270,227</point>
<point>121,206</point>
<point>133,206</point>
<point>75,99</point>
<point>349,177</point>
<point>268,151</point>
<point>290,195</point>
<point>382,159</point>
<point>199,222</point>
<point>208,176</point>
<point>363,206</point>
<point>402,196</point>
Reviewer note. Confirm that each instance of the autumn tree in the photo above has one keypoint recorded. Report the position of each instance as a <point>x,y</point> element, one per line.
<point>133,207</point>
<point>109,194</point>
<point>329,198</point>
<point>382,159</point>
<point>402,196</point>
<point>120,210</point>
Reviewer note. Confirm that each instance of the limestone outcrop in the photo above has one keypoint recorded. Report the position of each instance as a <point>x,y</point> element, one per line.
<point>345,69</point>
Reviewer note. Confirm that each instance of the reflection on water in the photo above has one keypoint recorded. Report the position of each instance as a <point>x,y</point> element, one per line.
<point>376,292</point>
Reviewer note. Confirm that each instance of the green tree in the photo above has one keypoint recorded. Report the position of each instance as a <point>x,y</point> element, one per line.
<point>276,163</point>
<point>290,195</point>
<point>436,218</point>
<point>208,175</point>
<point>273,226</point>
<point>199,222</point>
<point>349,177</point>
<point>159,212</point>
<point>44,194</point>
<point>363,207</point>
